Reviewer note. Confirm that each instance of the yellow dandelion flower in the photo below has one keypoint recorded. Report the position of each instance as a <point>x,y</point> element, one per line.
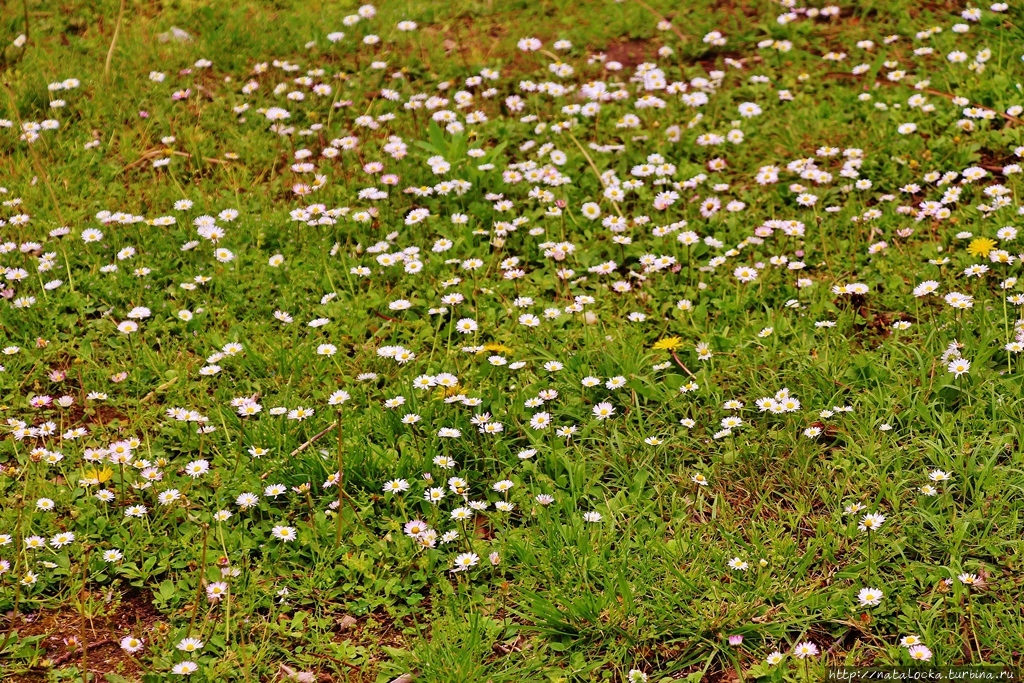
<point>667,344</point>
<point>98,475</point>
<point>495,347</point>
<point>448,392</point>
<point>981,246</point>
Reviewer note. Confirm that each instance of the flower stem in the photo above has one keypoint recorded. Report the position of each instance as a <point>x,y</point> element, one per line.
<point>341,489</point>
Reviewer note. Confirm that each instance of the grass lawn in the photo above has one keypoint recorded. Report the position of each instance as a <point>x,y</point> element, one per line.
<point>501,341</point>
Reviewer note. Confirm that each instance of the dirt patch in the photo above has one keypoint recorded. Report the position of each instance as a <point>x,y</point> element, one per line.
<point>934,7</point>
<point>629,53</point>
<point>379,628</point>
<point>716,60</point>
<point>98,414</point>
<point>749,10</point>
<point>374,631</point>
<point>63,635</point>
<point>993,160</point>
<point>471,43</point>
